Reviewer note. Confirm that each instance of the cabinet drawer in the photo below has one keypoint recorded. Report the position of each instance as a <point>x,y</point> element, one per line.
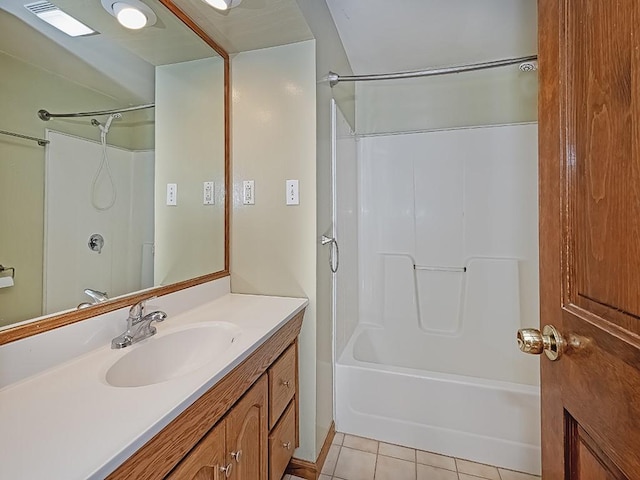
<point>282,442</point>
<point>282,384</point>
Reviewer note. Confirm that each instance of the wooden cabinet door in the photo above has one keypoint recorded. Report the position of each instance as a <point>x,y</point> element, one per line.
<point>247,434</point>
<point>207,460</point>
<point>589,127</point>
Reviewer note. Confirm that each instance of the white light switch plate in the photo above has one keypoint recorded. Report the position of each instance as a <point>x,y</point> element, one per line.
<point>208,193</point>
<point>293,194</point>
<point>248,192</point>
<point>172,194</point>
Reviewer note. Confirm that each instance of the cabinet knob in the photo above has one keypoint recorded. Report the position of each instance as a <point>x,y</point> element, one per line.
<point>287,445</point>
<point>237,455</point>
<point>286,383</point>
<point>227,470</point>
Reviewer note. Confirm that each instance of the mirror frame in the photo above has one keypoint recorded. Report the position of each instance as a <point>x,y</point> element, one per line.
<point>29,328</point>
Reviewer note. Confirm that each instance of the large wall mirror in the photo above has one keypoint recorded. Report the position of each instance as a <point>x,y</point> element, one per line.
<point>88,220</point>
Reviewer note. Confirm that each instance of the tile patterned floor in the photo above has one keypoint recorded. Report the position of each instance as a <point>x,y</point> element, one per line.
<point>357,458</point>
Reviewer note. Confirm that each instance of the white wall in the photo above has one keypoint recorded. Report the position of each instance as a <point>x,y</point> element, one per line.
<point>70,266</point>
<point>329,56</point>
<point>490,97</point>
<point>273,246</point>
<point>190,150</point>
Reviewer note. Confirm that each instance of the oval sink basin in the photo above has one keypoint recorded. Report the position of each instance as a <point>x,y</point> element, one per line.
<point>174,354</point>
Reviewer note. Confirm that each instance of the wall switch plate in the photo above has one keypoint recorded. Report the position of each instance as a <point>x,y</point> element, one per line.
<point>248,192</point>
<point>293,194</point>
<point>172,194</point>
<point>208,193</point>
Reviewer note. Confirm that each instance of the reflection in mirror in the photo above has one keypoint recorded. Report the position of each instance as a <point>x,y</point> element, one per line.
<point>87,216</point>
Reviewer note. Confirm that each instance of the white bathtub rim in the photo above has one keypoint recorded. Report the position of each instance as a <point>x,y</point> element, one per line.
<point>348,359</point>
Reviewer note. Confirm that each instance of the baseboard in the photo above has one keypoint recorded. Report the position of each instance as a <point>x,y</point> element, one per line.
<point>309,470</point>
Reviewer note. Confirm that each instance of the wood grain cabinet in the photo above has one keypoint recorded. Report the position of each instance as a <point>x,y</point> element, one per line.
<point>283,411</point>
<point>244,428</point>
<point>236,448</point>
<point>207,460</point>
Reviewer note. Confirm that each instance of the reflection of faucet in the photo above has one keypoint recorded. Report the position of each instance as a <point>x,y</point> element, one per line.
<point>138,325</point>
<point>98,297</point>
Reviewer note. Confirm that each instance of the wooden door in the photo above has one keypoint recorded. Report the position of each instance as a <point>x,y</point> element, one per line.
<point>207,459</point>
<point>247,434</point>
<point>589,120</point>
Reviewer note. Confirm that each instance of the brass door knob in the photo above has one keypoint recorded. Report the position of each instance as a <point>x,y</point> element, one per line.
<point>530,340</point>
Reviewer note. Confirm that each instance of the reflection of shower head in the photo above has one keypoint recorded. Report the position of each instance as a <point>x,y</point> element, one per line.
<point>105,128</point>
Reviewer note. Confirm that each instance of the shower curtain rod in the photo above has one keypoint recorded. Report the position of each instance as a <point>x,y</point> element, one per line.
<point>334,78</point>
<point>46,116</point>
<point>41,141</point>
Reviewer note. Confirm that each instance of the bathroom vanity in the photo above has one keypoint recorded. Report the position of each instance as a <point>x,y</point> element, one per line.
<point>228,433</point>
<point>232,414</point>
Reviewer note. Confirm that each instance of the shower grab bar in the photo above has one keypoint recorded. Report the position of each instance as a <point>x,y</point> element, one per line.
<point>41,141</point>
<point>440,269</point>
<point>46,116</point>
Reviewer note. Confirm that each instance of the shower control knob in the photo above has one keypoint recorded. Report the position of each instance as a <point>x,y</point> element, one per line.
<point>531,340</point>
<point>96,242</point>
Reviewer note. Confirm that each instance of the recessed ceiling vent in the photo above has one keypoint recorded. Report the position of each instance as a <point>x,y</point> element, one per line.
<point>57,18</point>
<point>40,7</point>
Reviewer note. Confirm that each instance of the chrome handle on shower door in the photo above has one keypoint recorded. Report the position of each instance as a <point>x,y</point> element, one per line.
<point>334,245</point>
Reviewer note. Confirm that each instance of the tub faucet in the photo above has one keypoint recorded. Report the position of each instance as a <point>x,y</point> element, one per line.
<point>138,325</point>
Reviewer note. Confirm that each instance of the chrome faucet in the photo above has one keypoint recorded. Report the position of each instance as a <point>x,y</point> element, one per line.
<point>138,325</point>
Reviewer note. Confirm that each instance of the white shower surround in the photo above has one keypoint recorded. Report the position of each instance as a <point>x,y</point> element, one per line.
<point>126,261</point>
<point>433,362</point>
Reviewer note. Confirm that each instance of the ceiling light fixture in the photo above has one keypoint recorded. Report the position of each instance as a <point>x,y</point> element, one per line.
<point>57,18</point>
<point>223,4</point>
<point>132,14</point>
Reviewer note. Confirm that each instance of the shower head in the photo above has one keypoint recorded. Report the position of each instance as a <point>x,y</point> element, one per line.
<point>529,66</point>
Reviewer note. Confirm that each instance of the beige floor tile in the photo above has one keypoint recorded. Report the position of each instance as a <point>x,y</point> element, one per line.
<point>427,472</point>
<point>477,469</point>
<point>355,465</point>
<point>324,477</point>
<point>435,460</point>
<point>396,451</point>
<point>360,443</point>
<point>511,475</point>
<point>330,462</point>
<point>464,476</point>
<point>388,468</point>
<point>338,438</point>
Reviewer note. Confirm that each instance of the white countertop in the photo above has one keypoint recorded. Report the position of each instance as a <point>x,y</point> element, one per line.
<point>67,423</point>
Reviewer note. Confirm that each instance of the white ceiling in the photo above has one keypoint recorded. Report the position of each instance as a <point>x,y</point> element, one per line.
<point>380,36</point>
<point>252,25</point>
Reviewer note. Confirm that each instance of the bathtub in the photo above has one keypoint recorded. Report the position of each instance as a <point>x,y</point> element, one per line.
<point>379,395</point>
